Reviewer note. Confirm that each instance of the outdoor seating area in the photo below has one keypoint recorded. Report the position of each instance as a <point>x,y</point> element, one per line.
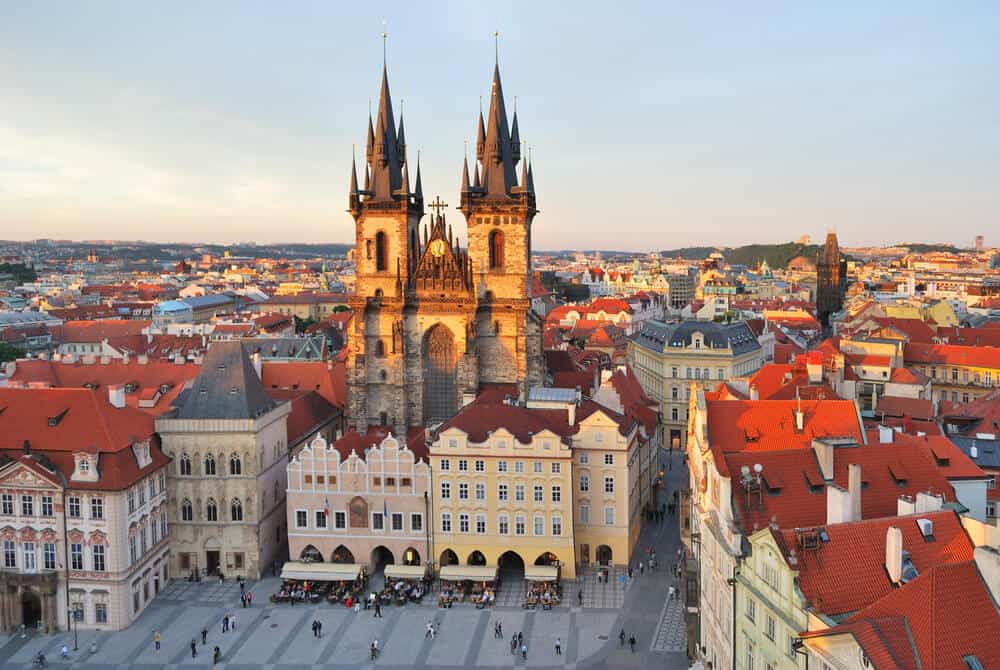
<point>308,582</point>
<point>477,584</point>
<point>405,583</point>
<point>543,587</point>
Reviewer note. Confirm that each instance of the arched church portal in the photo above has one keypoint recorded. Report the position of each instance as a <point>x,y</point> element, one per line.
<point>440,396</point>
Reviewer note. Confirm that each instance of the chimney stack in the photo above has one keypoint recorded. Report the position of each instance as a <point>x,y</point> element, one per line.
<point>894,554</point>
<point>885,434</point>
<point>929,502</point>
<point>854,490</point>
<point>824,454</point>
<point>754,393</point>
<point>116,395</point>
<point>838,505</point>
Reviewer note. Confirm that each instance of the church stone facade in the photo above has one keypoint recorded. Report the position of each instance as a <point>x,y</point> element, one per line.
<point>434,322</point>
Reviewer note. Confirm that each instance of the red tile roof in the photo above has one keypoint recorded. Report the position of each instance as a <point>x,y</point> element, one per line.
<point>328,378</point>
<point>917,408</point>
<point>359,442</point>
<point>951,460</point>
<point>310,411</point>
<point>848,573</point>
<point>763,425</point>
<point>953,354</point>
<point>96,331</point>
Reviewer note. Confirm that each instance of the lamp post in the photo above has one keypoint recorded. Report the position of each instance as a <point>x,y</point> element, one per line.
<point>77,615</point>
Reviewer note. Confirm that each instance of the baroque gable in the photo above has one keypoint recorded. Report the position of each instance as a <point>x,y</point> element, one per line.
<point>21,475</point>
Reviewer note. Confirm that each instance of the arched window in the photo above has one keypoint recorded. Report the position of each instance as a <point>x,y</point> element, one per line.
<point>212,510</point>
<point>209,464</point>
<point>379,348</point>
<point>185,464</point>
<point>235,465</point>
<point>381,253</point>
<point>236,510</point>
<point>496,250</point>
<point>187,511</point>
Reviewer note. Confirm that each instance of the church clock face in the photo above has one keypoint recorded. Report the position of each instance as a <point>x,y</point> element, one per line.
<point>437,248</point>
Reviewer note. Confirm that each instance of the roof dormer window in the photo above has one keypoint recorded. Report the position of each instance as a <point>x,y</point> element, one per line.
<point>84,465</point>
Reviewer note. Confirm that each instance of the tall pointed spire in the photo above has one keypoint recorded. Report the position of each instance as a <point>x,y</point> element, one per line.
<point>524,175</point>
<point>499,176</point>
<point>386,159</point>
<point>404,189</point>
<point>354,174</point>
<point>371,134</point>
<point>515,136</point>
<point>476,183</point>
<point>418,189</point>
<point>530,185</point>
<point>401,137</point>
<point>465,175</point>
<point>481,135</point>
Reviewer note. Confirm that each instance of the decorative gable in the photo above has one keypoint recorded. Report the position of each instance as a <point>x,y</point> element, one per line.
<point>85,467</point>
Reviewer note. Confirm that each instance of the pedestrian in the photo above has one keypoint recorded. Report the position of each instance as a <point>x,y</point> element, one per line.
<point>378,609</point>
<point>221,578</point>
<point>216,655</point>
<point>672,592</point>
<point>314,628</point>
<point>232,622</point>
<point>194,648</point>
<point>622,578</point>
<point>631,642</point>
<point>520,637</point>
<point>579,597</point>
<point>621,638</point>
<point>243,599</point>
<point>204,635</point>
<point>558,647</point>
<point>630,572</point>
<point>357,606</point>
<point>642,568</point>
<point>430,630</point>
<point>319,628</point>
<point>291,602</point>
<point>513,645</point>
<point>243,585</point>
<point>524,651</point>
<point>156,640</point>
<point>249,598</point>
<point>225,623</point>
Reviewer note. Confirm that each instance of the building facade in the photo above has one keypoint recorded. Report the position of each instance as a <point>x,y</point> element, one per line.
<point>433,321</point>
<point>228,442</point>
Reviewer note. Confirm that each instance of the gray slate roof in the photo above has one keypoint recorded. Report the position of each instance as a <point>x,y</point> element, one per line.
<point>987,451</point>
<point>660,336</point>
<point>226,388</point>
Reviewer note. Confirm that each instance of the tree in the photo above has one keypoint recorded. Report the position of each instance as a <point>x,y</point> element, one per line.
<point>301,325</point>
<point>8,352</point>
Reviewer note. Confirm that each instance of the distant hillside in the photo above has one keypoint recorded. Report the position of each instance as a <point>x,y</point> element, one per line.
<point>919,248</point>
<point>776,255</point>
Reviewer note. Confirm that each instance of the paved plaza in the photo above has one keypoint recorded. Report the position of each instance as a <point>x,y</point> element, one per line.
<point>280,637</point>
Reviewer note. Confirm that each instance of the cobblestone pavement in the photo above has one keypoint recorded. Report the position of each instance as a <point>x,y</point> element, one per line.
<point>280,637</point>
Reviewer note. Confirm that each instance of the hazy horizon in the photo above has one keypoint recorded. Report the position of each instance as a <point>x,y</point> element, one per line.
<point>649,127</point>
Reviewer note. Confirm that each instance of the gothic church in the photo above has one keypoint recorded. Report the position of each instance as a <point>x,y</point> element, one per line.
<point>433,322</point>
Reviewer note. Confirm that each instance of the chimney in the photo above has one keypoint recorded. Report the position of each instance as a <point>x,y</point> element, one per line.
<point>838,505</point>
<point>800,417</point>
<point>894,554</point>
<point>116,395</point>
<point>929,502</point>
<point>27,446</point>
<point>884,434</point>
<point>605,376</point>
<point>142,359</point>
<point>571,414</point>
<point>905,506</point>
<point>126,358</point>
<point>824,454</point>
<point>255,359</point>
<point>754,394</point>
<point>814,370</point>
<point>854,490</point>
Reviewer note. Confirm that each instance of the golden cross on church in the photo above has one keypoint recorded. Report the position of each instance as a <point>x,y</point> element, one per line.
<point>437,205</point>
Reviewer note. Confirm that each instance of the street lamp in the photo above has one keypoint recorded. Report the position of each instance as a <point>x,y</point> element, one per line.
<point>77,616</point>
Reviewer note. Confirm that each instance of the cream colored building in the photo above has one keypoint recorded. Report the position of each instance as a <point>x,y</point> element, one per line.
<point>363,499</point>
<point>228,442</point>
<point>671,359</point>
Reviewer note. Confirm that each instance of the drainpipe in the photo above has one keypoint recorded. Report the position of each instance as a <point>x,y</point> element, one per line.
<point>732,583</point>
<point>65,502</point>
<point>427,524</point>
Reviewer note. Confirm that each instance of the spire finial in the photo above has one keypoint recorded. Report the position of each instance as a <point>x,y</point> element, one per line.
<point>496,46</point>
<point>385,40</point>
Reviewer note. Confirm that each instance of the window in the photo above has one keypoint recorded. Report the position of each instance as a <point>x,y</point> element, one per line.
<point>378,521</point>
<point>463,491</point>
<point>142,540</point>
<point>503,524</point>
<point>212,510</point>
<point>131,501</point>
<point>539,525</point>
<point>27,506</point>
<point>97,508</point>
<point>210,464</point>
<point>688,373</point>
<point>463,523</point>
<point>185,464</point>
<point>609,484</point>
<point>445,522</point>
<point>536,467</point>
<point>98,555</point>
<point>235,465</point>
<point>7,504</point>
<point>502,492</point>
<point>501,466</point>
<point>557,525</point>
<point>673,372</point>
<point>142,494</point>
<point>496,249</point>
<point>463,465</point>
<point>519,525</point>
<point>584,459</point>
<point>519,492</point>
<point>769,630</point>
<point>100,612</point>
<point>446,490</point>
<point>340,520</point>
<point>674,414</point>
<point>381,252</point>
<point>771,575</point>
<point>76,556</point>
<point>445,464</point>
<point>556,468</point>
<point>480,524</point>
<point>416,522</point>
<point>539,493</point>
<point>609,459</point>
<point>133,549</point>
<point>480,466</point>
<point>187,511</point>
<point>518,466</point>
<point>609,516</point>
<point>28,550</point>
<point>584,513</point>
<point>47,508</point>
<point>163,524</point>
<point>721,372</point>
<point>750,655</point>
<point>85,465</point>
<point>9,554</point>
<point>598,437</point>
<point>152,528</point>
<point>49,556</point>
<point>236,512</point>
<point>556,494</point>
<point>163,481</point>
<point>397,520</point>
<point>751,609</point>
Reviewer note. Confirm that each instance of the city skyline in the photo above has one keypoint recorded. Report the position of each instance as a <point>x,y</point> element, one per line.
<point>235,124</point>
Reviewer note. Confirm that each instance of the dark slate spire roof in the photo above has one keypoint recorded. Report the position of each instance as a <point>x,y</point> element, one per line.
<point>480,134</point>
<point>227,387</point>
<point>515,138</point>
<point>418,189</point>
<point>465,176</point>
<point>831,250</point>
<point>499,176</point>
<point>387,160</point>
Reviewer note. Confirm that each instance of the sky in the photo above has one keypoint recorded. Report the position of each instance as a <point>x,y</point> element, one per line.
<point>652,125</point>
